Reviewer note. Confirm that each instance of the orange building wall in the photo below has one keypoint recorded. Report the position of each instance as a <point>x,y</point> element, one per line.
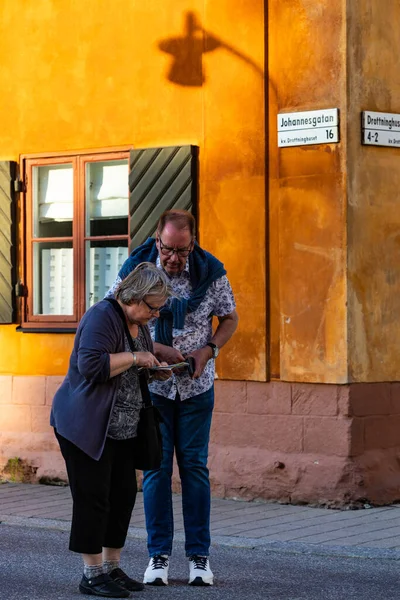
<point>374,195</point>
<point>307,186</point>
<point>333,221</point>
<point>97,74</point>
<point>334,209</point>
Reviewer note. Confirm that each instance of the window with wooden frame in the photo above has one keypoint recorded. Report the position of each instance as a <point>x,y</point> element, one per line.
<point>76,233</point>
<point>83,213</point>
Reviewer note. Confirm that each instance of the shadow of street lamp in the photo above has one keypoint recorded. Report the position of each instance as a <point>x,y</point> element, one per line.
<point>187,53</point>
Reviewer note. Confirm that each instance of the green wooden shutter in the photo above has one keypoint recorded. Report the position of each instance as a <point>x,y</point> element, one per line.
<point>160,179</point>
<point>7,241</point>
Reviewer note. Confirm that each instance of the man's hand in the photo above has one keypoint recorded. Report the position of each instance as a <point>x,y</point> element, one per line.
<point>201,358</point>
<point>167,354</point>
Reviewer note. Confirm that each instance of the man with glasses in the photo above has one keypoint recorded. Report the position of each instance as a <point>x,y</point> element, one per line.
<point>184,329</point>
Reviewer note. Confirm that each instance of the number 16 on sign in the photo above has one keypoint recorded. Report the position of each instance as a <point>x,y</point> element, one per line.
<point>330,135</point>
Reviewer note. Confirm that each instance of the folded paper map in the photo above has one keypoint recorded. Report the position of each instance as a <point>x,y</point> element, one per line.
<point>179,365</point>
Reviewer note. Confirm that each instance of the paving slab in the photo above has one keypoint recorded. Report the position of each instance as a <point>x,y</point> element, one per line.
<point>233,522</point>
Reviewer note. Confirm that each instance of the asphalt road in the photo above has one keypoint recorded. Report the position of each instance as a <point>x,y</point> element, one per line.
<point>35,564</point>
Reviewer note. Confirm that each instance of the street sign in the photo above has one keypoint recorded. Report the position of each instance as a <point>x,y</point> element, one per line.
<point>380,129</point>
<point>308,127</point>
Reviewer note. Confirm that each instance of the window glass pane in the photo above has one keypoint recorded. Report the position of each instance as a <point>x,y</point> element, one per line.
<point>53,278</point>
<point>103,261</point>
<point>107,201</point>
<point>53,197</point>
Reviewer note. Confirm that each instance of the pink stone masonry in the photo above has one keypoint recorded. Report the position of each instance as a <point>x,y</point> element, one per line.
<point>323,444</point>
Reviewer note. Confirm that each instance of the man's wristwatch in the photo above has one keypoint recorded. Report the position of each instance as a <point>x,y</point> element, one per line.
<point>214,348</point>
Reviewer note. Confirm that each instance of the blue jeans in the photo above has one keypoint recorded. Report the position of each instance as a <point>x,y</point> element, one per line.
<point>186,429</point>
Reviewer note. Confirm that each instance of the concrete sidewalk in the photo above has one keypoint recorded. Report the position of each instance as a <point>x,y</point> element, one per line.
<point>284,528</point>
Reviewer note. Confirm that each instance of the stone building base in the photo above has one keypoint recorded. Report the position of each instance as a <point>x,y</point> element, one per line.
<point>324,444</point>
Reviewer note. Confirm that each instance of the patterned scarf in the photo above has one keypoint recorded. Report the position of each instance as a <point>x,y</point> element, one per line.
<point>204,269</point>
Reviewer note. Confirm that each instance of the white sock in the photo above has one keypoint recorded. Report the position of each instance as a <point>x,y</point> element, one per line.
<point>91,571</point>
<point>110,565</point>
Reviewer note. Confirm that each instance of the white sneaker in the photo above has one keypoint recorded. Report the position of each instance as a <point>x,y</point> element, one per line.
<point>200,572</point>
<point>157,571</point>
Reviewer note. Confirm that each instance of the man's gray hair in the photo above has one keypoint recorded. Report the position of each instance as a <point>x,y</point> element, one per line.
<point>145,280</point>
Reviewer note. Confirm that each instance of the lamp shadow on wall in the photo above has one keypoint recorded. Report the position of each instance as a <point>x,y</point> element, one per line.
<point>187,52</point>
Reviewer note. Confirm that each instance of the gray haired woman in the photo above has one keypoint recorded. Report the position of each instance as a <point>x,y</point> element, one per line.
<point>95,415</point>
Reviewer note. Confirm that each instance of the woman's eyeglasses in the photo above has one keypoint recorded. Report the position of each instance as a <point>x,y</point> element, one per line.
<point>153,309</point>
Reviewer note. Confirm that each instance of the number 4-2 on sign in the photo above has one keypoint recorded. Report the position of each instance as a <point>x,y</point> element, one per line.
<point>373,136</point>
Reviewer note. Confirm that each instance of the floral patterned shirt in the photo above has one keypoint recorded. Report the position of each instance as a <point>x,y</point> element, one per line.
<point>218,301</point>
<point>197,331</point>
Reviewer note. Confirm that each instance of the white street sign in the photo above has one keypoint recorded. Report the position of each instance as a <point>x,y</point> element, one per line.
<point>305,137</point>
<point>380,129</point>
<point>308,127</point>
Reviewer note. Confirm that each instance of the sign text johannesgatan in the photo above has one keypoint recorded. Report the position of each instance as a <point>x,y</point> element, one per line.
<point>308,127</point>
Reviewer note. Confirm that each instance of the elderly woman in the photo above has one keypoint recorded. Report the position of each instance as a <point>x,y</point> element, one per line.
<point>95,415</point>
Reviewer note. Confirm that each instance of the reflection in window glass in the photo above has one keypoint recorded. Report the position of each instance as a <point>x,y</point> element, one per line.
<point>53,278</point>
<point>103,261</point>
<point>53,201</point>
<point>107,200</point>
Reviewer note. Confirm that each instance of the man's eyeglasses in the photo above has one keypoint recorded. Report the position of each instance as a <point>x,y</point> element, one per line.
<point>153,309</point>
<point>167,251</point>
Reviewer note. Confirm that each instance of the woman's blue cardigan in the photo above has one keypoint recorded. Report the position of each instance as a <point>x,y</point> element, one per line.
<point>83,403</point>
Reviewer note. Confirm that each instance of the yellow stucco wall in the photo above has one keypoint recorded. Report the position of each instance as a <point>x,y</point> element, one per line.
<point>97,74</point>
<point>33,354</point>
<point>374,195</point>
<point>307,185</point>
<point>334,209</point>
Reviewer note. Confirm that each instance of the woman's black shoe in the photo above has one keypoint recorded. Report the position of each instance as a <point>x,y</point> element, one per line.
<point>102,585</point>
<point>126,582</point>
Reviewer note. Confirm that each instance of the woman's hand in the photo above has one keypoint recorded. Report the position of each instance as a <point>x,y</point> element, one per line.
<point>167,353</point>
<point>146,360</point>
<point>122,361</point>
<point>162,375</point>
